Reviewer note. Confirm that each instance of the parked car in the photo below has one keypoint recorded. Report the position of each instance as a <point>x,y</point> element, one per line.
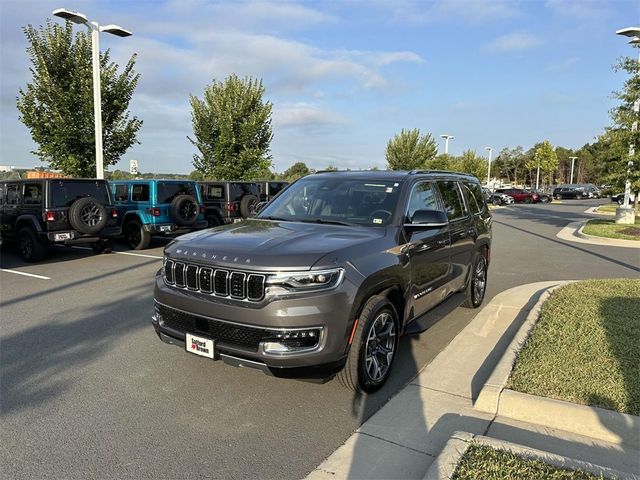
<point>329,275</point>
<point>520,195</point>
<point>498,198</point>
<point>619,198</point>
<point>543,197</point>
<point>60,211</point>
<point>569,191</point>
<point>157,207</point>
<point>270,189</point>
<point>226,202</point>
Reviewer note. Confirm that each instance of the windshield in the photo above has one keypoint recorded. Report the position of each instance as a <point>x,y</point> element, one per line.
<point>336,200</point>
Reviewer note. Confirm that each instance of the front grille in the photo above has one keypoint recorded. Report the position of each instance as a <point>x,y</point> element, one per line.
<point>226,333</point>
<point>222,283</point>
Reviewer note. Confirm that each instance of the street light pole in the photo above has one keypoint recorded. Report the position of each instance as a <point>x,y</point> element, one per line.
<point>446,142</point>
<point>490,150</point>
<point>95,29</point>
<point>573,159</point>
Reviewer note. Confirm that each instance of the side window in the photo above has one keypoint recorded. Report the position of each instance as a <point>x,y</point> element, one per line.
<point>476,199</point>
<point>140,192</point>
<point>451,195</point>
<point>214,192</point>
<point>122,193</point>
<point>32,193</point>
<point>12,194</point>
<point>423,197</point>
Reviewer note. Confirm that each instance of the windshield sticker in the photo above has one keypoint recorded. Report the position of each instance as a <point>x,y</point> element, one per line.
<point>396,184</point>
<point>389,190</point>
<point>377,220</point>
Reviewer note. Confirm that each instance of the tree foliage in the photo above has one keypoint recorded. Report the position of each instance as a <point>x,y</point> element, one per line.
<point>295,171</point>
<point>57,105</point>
<point>409,150</point>
<point>472,163</point>
<point>232,129</point>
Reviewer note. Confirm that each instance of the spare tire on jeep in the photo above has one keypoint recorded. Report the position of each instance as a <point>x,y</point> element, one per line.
<point>184,210</point>
<point>87,215</point>
<point>246,205</point>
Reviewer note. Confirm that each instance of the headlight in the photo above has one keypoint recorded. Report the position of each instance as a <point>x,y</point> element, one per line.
<point>306,281</point>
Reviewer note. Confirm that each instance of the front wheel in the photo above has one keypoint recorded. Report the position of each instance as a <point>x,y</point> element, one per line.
<point>578,197</point>
<point>477,285</point>
<point>558,197</point>
<point>527,200</point>
<point>373,347</point>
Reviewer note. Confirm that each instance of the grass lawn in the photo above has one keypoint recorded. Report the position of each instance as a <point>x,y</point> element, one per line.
<point>483,462</point>
<point>610,229</point>
<point>608,208</point>
<point>585,347</point>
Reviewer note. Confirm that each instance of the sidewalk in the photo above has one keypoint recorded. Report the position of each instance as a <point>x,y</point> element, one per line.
<point>403,438</point>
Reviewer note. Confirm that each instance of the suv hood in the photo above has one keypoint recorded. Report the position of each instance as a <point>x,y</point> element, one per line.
<point>268,245</point>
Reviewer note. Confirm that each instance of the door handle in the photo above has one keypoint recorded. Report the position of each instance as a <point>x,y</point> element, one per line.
<point>442,242</point>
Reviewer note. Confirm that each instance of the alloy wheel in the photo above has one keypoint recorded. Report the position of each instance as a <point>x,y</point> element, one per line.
<point>479,281</point>
<point>91,215</point>
<point>380,347</point>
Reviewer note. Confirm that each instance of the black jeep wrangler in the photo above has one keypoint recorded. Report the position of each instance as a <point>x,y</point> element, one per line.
<point>42,212</point>
<point>328,276</point>
<point>226,202</point>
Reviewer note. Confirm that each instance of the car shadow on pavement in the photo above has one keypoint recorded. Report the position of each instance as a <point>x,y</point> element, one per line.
<point>41,362</point>
<point>545,214</point>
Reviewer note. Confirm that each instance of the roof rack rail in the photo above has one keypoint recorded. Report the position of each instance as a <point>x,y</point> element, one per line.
<point>416,172</point>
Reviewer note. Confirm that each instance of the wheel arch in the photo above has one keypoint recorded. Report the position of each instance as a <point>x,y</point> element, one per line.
<point>27,220</point>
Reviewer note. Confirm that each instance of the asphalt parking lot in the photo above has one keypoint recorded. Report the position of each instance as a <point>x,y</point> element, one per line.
<point>88,391</point>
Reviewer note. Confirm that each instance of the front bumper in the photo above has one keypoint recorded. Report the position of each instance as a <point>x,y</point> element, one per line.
<point>329,311</point>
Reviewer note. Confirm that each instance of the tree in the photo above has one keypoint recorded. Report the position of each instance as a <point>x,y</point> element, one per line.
<point>472,163</point>
<point>409,150</point>
<point>57,106</point>
<point>295,171</point>
<point>509,163</point>
<point>444,161</point>
<point>232,129</point>
<point>331,168</point>
<point>545,158</point>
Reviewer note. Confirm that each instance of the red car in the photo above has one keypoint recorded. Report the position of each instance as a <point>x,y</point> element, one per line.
<point>520,195</point>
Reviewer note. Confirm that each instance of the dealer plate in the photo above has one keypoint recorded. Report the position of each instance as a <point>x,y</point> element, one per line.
<point>199,346</point>
<point>58,237</point>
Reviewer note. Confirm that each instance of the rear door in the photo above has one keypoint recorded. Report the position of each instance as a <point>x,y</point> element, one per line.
<point>428,252</point>
<point>11,207</point>
<point>462,232</point>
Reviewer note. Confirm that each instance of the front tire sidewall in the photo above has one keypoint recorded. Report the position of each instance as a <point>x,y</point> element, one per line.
<point>471,301</point>
<point>29,246</point>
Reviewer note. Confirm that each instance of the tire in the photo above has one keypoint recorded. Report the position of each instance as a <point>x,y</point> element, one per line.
<point>527,200</point>
<point>477,285</point>
<point>246,205</point>
<point>558,197</point>
<point>184,210</point>
<point>379,313</point>
<point>137,237</point>
<point>578,197</point>
<point>620,201</point>
<point>497,201</point>
<point>87,215</point>
<point>30,248</point>
<point>104,246</point>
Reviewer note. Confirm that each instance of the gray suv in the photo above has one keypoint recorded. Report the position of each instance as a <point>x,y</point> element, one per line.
<point>329,275</point>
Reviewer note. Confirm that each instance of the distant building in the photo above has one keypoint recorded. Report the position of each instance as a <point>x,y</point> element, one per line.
<point>43,174</point>
<point>6,168</point>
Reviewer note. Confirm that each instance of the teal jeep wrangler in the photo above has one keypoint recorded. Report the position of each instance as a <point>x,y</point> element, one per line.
<point>157,207</point>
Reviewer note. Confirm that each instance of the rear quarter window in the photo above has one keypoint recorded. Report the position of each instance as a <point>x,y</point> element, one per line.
<point>475,197</point>
<point>167,191</point>
<point>213,192</point>
<point>239,190</point>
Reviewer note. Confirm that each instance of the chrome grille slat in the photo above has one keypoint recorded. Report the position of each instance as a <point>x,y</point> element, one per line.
<point>212,281</point>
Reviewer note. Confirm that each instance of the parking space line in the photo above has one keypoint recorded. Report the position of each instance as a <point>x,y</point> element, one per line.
<point>144,255</point>
<point>33,275</point>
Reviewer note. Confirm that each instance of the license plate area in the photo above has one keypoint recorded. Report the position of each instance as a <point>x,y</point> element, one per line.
<point>60,237</point>
<point>205,347</point>
<point>165,228</point>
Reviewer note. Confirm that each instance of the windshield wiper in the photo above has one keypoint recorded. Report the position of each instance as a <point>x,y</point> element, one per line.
<point>278,219</point>
<point>328,222</point>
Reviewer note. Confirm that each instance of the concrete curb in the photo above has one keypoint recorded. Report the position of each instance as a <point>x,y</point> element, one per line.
<point>489,397</point>
<point>572,233</point>
<point>594,422</point>
<point>594,211</point>
<point>445,464</point>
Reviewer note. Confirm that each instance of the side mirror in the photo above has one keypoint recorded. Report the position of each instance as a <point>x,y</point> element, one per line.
<point>428,218</point>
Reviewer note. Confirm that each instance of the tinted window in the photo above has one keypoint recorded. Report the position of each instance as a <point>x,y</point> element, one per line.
<point>475,196</point>
<point>122,193</point>
<point>423,197</point>
<point>275,187</point>
<point>239,190</point>
<point>213,192</point>
<point>453,203</point>
<point>12,194</point>
<point>140,192</point>
<point>167,191</point>
<point>2,188</point>
<point>65,192</point>
<point>32,194</point>
<point>353,201</point>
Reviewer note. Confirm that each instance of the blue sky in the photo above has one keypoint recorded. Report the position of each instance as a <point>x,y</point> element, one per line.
<point>345,76</point>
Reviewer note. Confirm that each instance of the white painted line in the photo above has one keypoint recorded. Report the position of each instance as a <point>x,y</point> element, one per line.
<point>41,277</point>
<point>124,253</point>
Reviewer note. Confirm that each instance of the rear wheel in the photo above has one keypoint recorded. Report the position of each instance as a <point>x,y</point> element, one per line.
<point>373,347</point>
<point>578,197</point>
<point>137,237</point>
<point>103,246</point>
<point>497,201</point>
<point>558,197</point>
<point>527,200</point>
<point>477,285</point>
<point>29,245</point>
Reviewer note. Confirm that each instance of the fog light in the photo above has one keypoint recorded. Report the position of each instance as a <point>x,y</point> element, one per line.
<point>291,341</point>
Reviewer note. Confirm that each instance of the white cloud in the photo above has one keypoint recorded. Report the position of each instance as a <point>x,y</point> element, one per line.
<point>302,114</point>
<point>513,42</point>
<point>472,11</point>
<point>562,65</point>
